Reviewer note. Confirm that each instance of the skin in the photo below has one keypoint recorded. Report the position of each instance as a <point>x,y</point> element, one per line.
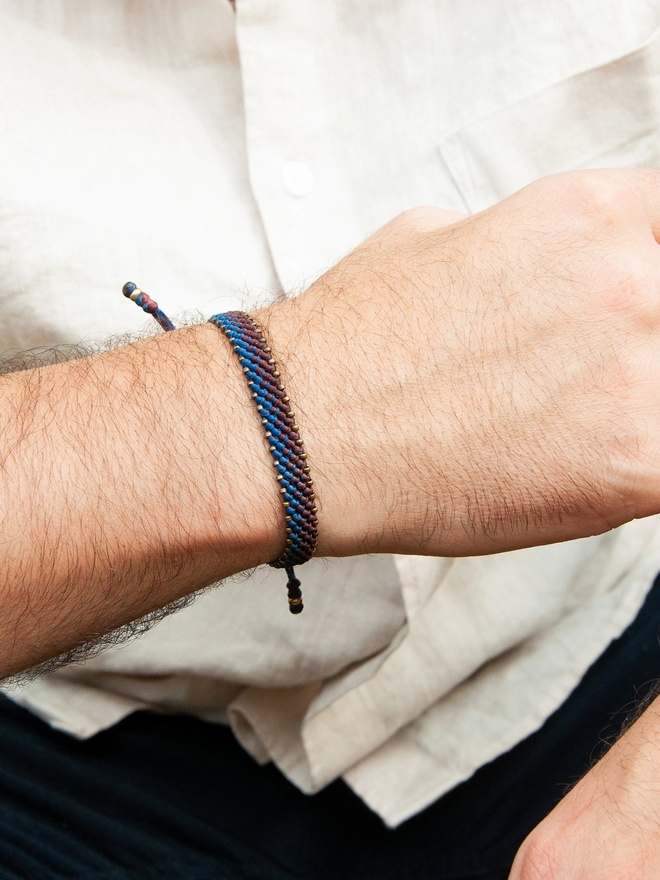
<point>467,388</point>
<point>608,826</point>
<point>487,385</point>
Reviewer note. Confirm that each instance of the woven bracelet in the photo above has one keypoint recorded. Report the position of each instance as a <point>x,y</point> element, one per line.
<point>282,433</point>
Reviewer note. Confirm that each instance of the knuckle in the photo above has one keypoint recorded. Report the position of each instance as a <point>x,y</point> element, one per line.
<point>629,286</point>
<point>594,194</point>
<point>413,216</point>
<point>425,218</point>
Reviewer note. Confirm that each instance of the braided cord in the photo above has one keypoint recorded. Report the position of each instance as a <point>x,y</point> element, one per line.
<point>284,441</point>
<point>284,444</point>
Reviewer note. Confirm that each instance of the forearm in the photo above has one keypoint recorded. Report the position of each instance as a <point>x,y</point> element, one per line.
<point>128,479</point>
<point>462,390</point>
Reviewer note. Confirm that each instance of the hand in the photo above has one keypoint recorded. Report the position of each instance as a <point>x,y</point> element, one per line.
<point>608,826</point>
<point>489,385</point>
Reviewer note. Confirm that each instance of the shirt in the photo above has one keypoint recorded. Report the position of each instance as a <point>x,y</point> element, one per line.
<point>218,158</point>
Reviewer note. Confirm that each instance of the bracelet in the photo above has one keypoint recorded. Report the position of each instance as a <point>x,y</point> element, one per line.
<point>282,433</point>
<point>284,444</point>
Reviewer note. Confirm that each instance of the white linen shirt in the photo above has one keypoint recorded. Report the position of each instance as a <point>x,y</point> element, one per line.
<point>216,158</point>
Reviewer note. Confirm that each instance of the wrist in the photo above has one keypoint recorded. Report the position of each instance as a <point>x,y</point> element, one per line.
<point>314,362</point>
<point>227,490</point>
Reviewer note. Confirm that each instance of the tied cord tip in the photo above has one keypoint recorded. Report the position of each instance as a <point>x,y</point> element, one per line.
<point>294,591</point>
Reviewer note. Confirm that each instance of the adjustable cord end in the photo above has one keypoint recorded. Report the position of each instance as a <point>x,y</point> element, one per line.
<point>294,591</point>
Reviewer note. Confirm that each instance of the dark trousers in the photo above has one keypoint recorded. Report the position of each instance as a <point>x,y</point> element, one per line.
<point>172,797</point>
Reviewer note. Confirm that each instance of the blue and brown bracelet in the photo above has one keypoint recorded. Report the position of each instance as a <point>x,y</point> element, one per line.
<point>282,434</point>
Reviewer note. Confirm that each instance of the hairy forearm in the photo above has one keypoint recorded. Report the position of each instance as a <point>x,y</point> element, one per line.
<point>471,389</point>
<point>128,479</point>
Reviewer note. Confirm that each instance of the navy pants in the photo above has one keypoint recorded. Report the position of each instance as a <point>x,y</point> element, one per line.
<point>172,797</point>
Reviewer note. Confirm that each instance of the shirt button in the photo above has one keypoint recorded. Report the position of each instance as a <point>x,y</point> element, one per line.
<point>297,179</point>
